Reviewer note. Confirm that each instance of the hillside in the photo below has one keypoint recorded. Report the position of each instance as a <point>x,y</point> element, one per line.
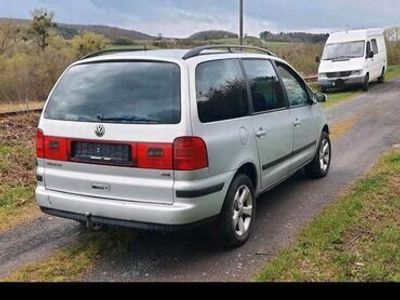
<point>294,37</point>
<point>68,31</point>
<point>212,35</point>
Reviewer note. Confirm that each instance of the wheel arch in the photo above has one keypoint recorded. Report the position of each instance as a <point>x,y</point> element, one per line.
<point>326,129</point>
<point>250,170</point>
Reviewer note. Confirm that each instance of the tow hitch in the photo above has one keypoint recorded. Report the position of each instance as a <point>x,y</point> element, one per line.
<point>92,225</point>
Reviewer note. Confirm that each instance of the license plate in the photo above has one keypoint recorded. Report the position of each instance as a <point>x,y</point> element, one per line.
<point>101,152</point>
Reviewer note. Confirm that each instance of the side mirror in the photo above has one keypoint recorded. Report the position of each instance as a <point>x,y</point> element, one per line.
<point>320,97</point>
<point>317,59</point>
<point>371,54</point>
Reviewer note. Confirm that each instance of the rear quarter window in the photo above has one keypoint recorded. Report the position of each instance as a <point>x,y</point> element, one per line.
<point>221,91</point>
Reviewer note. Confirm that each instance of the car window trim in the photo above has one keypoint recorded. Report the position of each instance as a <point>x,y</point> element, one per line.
<point>303,84</point>
<point>254,113</point>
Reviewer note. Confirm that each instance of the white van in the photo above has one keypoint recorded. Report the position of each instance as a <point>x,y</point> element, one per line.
<point>353,58</point>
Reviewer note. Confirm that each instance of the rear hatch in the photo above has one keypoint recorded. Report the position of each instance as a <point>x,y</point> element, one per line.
<point>108,130</point>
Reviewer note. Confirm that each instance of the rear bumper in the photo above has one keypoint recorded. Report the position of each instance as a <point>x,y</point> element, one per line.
<point>198,205</point>
<point>125,223</point>
<point>337,82</point>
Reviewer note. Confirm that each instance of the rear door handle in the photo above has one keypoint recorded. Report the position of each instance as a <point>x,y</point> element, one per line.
<point>261,132</point>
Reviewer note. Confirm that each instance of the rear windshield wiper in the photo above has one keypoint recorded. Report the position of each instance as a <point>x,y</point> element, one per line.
<point>128,119</point>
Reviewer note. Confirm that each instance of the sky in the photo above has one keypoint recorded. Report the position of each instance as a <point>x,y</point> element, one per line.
<point>180,18</point>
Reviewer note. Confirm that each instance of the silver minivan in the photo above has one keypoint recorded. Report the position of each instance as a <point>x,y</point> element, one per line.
<point>164,139</point>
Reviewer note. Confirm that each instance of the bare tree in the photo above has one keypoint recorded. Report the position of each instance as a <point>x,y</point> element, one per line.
<point>41,24</point>
<point>6,33</point>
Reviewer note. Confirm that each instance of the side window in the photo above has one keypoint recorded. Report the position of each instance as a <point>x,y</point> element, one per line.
<point>296,92</point>
<point>368,48</point>
<point>266,92</point>
<point>374,44</point>
<point>221,91</point>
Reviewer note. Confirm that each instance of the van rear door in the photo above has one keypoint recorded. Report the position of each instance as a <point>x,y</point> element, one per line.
<point>109,128</point>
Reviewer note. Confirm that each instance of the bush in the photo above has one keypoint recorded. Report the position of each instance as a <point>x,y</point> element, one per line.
<point>88,42</point>
<point>393,53</point>
<point>302,57</point>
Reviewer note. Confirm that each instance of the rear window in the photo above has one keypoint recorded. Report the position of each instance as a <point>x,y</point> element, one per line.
<point>118,92</point>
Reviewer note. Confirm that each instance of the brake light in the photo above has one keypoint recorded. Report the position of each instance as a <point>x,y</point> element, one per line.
<point>39,143</point>
<point>56,148</point>
<point>154,156</point>
<point>190,153</point>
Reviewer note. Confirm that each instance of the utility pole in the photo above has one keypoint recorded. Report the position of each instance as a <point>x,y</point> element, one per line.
<point>241,23</point>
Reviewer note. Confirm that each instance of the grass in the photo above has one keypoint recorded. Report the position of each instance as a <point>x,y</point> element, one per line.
<point>393,72</point>
<point>11,107</point>
<point>16,205</point>
<point>357,238</point>
<point>17,165</point>
<point>70,263</point>
<point>338,97</point>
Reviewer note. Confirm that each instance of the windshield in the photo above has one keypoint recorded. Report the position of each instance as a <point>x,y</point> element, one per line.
<point>344,50</point>
<point>118,92</point>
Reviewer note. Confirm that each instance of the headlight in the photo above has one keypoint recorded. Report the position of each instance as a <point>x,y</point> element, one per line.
<point>358,72</point>
<point>322,75</point>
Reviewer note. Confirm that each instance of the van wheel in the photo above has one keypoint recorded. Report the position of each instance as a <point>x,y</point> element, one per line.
<point>323,89</point>
<point>319,166</point>
<point>238,213</point>
<point>381,79</point>
<point>366,83</point>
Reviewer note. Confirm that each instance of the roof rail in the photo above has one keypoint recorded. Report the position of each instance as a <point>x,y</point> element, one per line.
<point>114,50</point>
<point>198,50</point>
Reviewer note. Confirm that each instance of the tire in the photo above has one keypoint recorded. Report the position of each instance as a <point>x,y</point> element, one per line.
<point>323,89</point>
<point>366,83</point>
<point>236,221</point>
<point>319,166</point>
<point>381,79</point>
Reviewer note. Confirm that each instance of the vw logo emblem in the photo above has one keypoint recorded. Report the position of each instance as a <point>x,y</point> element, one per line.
<point>100,130</point>
<point>338,74</point>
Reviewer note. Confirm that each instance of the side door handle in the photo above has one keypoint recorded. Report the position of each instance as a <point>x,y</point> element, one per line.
<point>261,132</point>
<point>297,123</point>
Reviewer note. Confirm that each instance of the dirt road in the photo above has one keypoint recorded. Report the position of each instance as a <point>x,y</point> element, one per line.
<point>281,212</point>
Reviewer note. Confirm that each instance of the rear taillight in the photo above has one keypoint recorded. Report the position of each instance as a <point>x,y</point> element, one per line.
<point>53,148</point>
<point>154,156</point>
<point>39,143</point>
<point>190,153</point>
<point>56,148</point>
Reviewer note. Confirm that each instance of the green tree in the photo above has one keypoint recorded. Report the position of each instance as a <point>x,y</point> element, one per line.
<point>88,42</point>
<point>41,25</point>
